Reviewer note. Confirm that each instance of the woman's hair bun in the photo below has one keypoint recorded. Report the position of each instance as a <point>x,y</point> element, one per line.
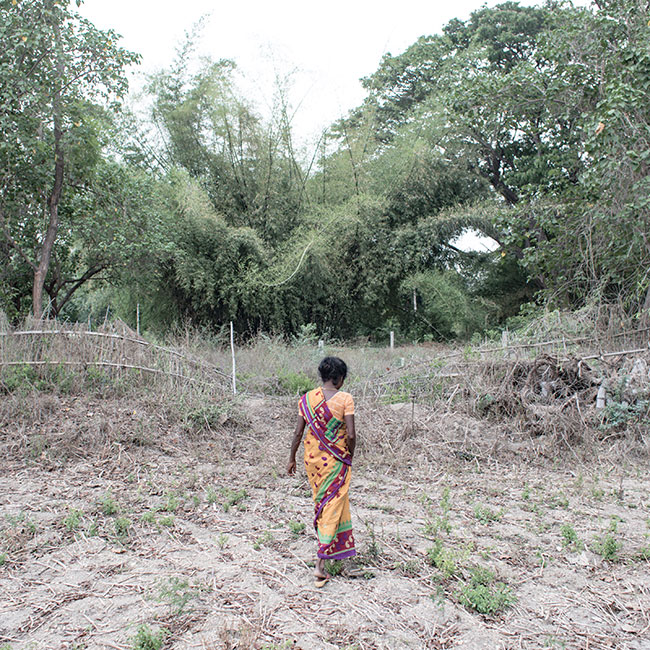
<point>332,368</point>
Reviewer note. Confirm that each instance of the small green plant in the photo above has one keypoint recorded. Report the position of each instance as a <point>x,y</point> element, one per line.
<point>373,549</point>
<point>384,508</point>
<point>438,523</point>
<point>485,514</point>
<point>285,645</point>
<point>409,568</point>
<point>644,553</point>
<point>559,500</point>
<point>525,493</point>
<point>608,547</point>
<point>296,527</point>
<point>122,527</point>
<point>307,334</point>
<point>72,520</point>
<point>484,594</point>
<point>570,538</point>
<point>22,525</point>
<point>222,541</point>
<point>597,493</point>
<point>3,559</point>
<point>207,417</point>
<point>147,639</point>
<point>211,495</point>
<point>177,593</point>
<point>541,558</point>
<point>149,517</point>
<point>263,540</point>
<point>172,502</point>
<point>167,521</point>
<point>334,567</point>
<point>108,505</point>
<point>619,414</point>
<point>20,379</point>
<point>233,498</point>
<point>444,559</point>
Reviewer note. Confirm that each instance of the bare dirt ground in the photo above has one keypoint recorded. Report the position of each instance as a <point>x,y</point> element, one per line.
<point>113,517</point>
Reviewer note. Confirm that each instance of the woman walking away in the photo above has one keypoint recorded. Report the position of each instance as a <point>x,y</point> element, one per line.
<point>328,413</point>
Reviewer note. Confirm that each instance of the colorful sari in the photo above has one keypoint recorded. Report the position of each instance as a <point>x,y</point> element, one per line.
<point>328,461</point>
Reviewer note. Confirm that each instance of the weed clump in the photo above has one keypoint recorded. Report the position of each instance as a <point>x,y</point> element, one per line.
<point>570,538</point>
<point>147,639</point>
<point>484,594</point>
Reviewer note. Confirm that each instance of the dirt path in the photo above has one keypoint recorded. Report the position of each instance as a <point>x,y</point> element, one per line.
<point>205,539</point>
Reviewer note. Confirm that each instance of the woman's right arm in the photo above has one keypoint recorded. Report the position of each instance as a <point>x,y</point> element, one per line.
<point>352,434</point>
<point>295,443</point>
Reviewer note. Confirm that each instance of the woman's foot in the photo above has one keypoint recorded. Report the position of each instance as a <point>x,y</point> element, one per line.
<point>320,575</point>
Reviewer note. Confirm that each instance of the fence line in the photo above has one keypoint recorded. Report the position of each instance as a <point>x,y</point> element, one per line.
<point>446,374</point>
<point>108,364</point>
<point>120,337</point>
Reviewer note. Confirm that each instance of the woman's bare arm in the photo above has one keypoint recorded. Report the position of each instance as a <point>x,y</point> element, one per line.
<point>352,434</point>
<point>297,437</point>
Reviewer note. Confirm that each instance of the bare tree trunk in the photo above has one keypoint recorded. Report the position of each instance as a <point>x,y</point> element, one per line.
<point>55,197</point>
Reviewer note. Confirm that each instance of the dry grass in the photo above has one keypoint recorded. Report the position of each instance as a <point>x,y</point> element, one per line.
<point>132,498</point>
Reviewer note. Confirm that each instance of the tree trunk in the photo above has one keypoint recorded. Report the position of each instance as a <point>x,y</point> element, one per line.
<point>55,196</point>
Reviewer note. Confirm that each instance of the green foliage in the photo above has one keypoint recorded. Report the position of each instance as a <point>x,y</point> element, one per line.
<point>444,559</point>
<point>438,523</point>
<point>20,379</point>
<point>148,639</point>
<point>524,124</point>
<point>108,505</point>
<point>607,545</point>
<point>296,527</point>
<point>122,527</point>
<point>484,594</point>
<point>570,538</point>
<point>263,540</point>
<point>172,502</point>
<point>294,383</point>
<point>232,498</point>
<point>334,567</point>
<point>485,514</point>
<point>372,552</point>
<point>58,74</point>
<point>622,414</point>
<point>72,520</point>
<point>177,593</point>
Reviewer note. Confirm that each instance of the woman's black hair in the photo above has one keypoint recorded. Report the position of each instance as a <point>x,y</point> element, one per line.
<point>332,368</point>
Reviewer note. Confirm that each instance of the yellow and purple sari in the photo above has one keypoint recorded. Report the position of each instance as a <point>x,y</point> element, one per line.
<point>328,461</point>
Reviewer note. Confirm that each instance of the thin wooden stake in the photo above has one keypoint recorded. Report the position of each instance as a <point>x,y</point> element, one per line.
<point>234,367</point>
<point>392,340</point>
<point>137,319</point>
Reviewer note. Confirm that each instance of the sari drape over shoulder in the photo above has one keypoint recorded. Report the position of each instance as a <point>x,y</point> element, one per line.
<point>328,461</point>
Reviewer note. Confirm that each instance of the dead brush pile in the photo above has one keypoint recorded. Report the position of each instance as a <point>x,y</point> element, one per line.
<point>566,403</point>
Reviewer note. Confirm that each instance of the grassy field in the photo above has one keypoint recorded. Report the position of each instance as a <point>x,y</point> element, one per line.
<point>493,506</point>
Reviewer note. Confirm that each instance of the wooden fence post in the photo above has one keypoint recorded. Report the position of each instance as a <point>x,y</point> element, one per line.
<point>234,366</point>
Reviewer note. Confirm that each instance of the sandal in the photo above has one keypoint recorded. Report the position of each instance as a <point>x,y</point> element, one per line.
<point>321,581</point>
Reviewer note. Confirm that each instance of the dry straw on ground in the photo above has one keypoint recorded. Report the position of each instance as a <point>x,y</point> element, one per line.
<point>133,499</point>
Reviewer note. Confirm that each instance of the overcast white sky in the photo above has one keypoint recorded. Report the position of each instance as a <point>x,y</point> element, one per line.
<point>330,45</point>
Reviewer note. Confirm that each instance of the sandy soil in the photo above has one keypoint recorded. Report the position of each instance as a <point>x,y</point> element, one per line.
<point>112,517</point>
